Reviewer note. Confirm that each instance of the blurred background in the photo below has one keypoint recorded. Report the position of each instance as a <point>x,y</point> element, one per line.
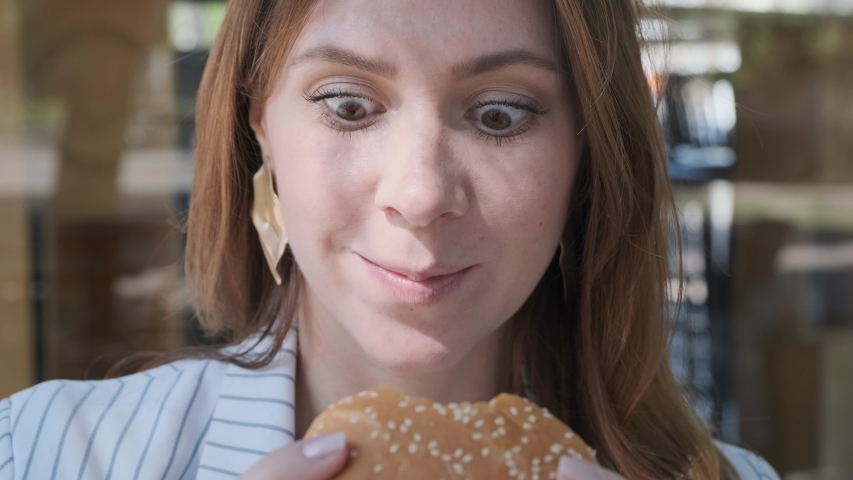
<point>96,152</point>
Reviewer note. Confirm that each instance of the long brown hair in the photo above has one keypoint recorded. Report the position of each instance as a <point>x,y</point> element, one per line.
<point>597,357</point>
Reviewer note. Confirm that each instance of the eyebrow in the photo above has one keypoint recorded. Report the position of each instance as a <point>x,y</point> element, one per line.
<point>461,71</point>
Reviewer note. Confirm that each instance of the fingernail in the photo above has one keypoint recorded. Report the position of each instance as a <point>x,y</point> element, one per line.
<point>578,468</point>
<point>325,445</point>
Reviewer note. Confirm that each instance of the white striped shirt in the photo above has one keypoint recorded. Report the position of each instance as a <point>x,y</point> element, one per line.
<point>190,419</point>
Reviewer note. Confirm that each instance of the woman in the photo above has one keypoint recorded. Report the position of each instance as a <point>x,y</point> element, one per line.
<point>475,198</point>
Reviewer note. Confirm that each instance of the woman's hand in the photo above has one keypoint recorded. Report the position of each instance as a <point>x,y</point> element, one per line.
<point>321,458</point>
<point>317,458</point>
<point>574,469</point>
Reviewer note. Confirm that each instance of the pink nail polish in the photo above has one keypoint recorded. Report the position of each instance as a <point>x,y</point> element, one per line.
<point>325,445</point>
<point>579,469</point>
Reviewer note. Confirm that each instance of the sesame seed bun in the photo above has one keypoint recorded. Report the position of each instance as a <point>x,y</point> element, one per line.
<point>394,436</point>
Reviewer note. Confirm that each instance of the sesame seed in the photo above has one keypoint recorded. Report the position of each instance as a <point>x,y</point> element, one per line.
<point>432,444</point>
<point>521,476</point>
<point>420,408</point>
<point>528,409</point>
<point>507,454</point>
<point>394,448</point>
<point>499,420</point>
<point>467,458</point>
<point>479,423</point>
<point>535,461</point>
<point>417,436</point>
<point>413,448</point>
<point>404,429</point>
<point>527,426</point>
<point>377,468</point>
<point>457,468</point>
<point>477,436</point>
<point>403,404</point>
<point>548,458</point>
<point>513,472</point>
<point>524,440</point>
<point>485,451</point>
<point>386,436</point>
<point>446,457</point>
<point>434,453</point>
<point>516,449</point>
<point>569,434</point>
<point>556,448</point>
<point>407,422</point>
<point>374,434</point>
<point>373,394</point>
<point>501,431</point>
<point>532,418</point>
<point>453,405</point>
<point>552,475</point>
<point>392,425</point>
<point>546,413</point>
<point>353,418</point>
<point>458,453</point>
<point>513,410</point>
<point>368,409</point>
<point>362,394</point>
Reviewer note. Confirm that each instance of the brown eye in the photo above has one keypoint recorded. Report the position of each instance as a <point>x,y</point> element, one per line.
<point>499,117</point>
<point>351,109</point>
<point>496,119</point>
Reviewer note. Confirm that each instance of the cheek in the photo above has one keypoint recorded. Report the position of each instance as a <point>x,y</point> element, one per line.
<point>322,195</point>
<point>528,199</point>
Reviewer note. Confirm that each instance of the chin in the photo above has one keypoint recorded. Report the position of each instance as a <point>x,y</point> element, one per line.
<point>403,349</point>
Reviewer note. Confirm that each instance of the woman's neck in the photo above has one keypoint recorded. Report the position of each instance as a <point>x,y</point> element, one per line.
<point>332,365</point>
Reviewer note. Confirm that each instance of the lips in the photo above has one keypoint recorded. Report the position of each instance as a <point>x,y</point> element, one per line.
<point>420,275</point>
<point>420,287</point>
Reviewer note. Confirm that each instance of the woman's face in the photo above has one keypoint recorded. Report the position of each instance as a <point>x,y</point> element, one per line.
<point>423,152</point>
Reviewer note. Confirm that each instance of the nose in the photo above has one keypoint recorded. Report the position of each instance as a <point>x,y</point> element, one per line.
<point>419,182</point>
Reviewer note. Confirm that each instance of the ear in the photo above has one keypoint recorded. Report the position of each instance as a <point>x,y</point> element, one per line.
<point>258,124</point>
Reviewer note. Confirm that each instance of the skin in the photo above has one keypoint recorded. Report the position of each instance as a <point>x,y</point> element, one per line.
<point>416,185</point>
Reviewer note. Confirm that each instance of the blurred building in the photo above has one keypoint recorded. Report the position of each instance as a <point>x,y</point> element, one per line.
<point>756,100</point>
<point>758,111</point>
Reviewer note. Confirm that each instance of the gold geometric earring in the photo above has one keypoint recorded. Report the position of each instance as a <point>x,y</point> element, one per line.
<point>266,215</point>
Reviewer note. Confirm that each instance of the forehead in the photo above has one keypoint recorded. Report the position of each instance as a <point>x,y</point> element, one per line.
<point>430,33</point>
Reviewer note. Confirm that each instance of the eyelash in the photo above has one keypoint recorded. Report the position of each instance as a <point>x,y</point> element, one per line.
<point>343,128</point>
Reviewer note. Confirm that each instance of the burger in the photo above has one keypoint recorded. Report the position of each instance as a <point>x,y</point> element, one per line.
<point>391,435</point>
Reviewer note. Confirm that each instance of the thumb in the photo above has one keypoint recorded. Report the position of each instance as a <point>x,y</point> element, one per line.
<point>574,469</point>
<point>317,458</point>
